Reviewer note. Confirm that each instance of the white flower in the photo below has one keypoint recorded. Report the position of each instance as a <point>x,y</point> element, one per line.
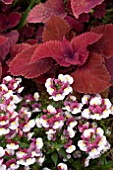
<point>2,151</point>
<point>69,79</point>
<point>7,78</point>
<point>107,103</point>
<point>36,96</point>
<point>58,125</point>
<point>38,122</point>
<point>71,132</point>
<point>2,167</point>
<point>41,160</point>
<point>13,125</point>
<point>87,132</point>
<point>44,122</point>
<point>57,97</point>
<point>94,153</point>
<point>85,99</point>
<point>86,113</point>
<point>27,127</point>
<point>12,146</point>
<point>82,145</point>
<point>51,109</point>
<point>4,131</point>
<point>73,124</point>
<point>77,110</point>
<point>70,149</point>
<point>86,162</point>
<point>20,154</point>
<point>39,143</point>
<point>97,100</point>
<point>62,166</point>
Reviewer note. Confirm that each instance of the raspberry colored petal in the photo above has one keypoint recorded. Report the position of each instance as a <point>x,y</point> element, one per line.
<point>7,1</point>
<point>50,49</point>
<point>22,64</point>
<point>12,39</point>
<point>14,19</point>
<point>104,46</point>
<point>44,11</point>
<point>83,6</point>
<point>55,29</point>
<point>80,43</point>
<point>93,77</point>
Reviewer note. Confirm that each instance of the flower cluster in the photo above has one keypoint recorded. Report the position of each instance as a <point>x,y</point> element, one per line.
<point>59,88</point>
<point>31,132</point>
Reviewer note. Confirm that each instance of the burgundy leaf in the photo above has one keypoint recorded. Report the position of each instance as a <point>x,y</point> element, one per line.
<point>99,11</point>
<point>22,64</point>
<point>12,39</point>
<point>50,49</point>
<point>3,39</point>
<point>7,1</point>
<point>55,29</point>
<point>104,46</point>
<point>109,66</point>
<point>0,70</point>
<point>18,48</point>
<point>80,43</point>
<point>44,11</point>
<point>93,77</point>
<point>14,19</point>
<point>83,6</point>
<point>3,22</point>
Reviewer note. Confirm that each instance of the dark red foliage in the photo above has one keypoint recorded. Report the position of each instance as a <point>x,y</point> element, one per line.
<point>104,46</point>
<point>44,11</point>
<point>109,66</point>
<point>22,64</point>
<point>99,11</point>
<point>9,21</point>
<point>92,77</point>
<point>83,6</point>
<point>55,29</point>
<point>3,39</point>
<point>12,38</point>
<point>66,53</point>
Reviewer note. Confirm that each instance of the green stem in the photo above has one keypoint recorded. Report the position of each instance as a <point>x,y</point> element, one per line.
<point>24,17</point>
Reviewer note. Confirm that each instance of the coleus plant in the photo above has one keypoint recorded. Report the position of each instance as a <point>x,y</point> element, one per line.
<point>85,56</point>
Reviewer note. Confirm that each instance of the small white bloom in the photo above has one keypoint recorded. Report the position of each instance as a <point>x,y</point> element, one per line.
<point>86,113</point>
<point>39,143</point>
<point>44,122</point>
<point>70,149</point>
<point>2,151</point>
<point>51,109</point>
<point>82,145</point>
<point>85,99</point>
<point>12,146</point>
<point>29,125</point>
<point>62,166</point>
<point>36,96</point>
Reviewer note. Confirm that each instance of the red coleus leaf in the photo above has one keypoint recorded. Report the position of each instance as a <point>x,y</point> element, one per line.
<point>22,64</point>
<point>3,39</point>
<point>18,48</point>
<point>109,66</point>
<point>83,6</point>
<point>9,21</point>
<point>66,53</point>
<point>7,1</point>
<point>44,11</point>
<point>104,46</point>
<point>55,29</point>
<point>92,77</point>
<point>50,49</point>
<point>12,39</point>
<point>0,70</point>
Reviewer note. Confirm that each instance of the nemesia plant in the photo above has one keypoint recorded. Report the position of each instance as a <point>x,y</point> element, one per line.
<point>56,84</point>
<point>51,135</point>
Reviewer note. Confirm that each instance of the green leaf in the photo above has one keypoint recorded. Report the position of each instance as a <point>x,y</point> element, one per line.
<point>54,157</point>
<point>63,153</point>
